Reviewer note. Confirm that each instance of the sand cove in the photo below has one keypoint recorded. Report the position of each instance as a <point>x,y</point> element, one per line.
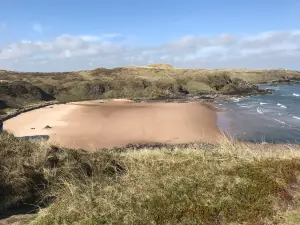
<point>97,124</point>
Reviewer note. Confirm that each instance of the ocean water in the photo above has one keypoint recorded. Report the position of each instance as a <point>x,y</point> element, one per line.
<point>266,118</point>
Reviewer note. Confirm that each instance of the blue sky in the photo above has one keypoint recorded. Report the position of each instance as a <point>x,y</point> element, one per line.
<point>123,30</point>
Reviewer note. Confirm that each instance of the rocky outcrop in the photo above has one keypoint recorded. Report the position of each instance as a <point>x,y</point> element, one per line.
<point>225,85</point>
<point>240,87</point>
<point>17,94</point>
<point>285,81</point>
<point>23,90</point>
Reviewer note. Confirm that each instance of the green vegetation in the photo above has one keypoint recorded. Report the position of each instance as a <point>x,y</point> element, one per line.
<point>18,95</point>
<point>156,81</point>
<point>230,183</point>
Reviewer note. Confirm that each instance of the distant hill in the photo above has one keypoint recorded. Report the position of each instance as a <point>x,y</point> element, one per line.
<point>153,81</point>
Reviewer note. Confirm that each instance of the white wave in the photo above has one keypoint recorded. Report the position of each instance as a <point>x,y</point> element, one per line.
<point>220,104</point>
<point>297,95</point>
<point>295,117</point>
<point>282,106</point>
<point>282,122</point>
<point>259,110</point>
<point>236,99</point>
<point>263,103</point>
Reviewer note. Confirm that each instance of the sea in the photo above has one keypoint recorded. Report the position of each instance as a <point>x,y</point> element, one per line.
<point>273,118</point>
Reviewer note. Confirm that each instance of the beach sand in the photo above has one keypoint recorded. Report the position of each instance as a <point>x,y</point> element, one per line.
<point>97,124</point>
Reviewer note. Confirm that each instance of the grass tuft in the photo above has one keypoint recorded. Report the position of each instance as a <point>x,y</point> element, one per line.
<point>229,183</point>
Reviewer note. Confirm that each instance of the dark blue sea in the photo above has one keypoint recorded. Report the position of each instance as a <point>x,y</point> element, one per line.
<point>266,118</point>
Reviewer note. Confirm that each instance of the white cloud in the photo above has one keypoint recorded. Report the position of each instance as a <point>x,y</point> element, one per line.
<point>37,28</point>
<point>68,52</point>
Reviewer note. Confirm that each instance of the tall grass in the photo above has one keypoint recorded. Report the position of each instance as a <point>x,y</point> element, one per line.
<point>230,183</point>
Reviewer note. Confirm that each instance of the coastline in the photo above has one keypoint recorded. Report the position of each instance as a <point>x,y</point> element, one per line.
<point>271,119</point>
<point>17,112</point>
<point>92,125</point>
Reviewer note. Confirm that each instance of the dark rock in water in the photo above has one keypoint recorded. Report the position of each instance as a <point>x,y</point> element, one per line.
<point>47,127</point>
<point>285,81</point>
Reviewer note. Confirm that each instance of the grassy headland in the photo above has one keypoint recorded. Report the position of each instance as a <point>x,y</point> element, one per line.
<point>229,183</point>
<point>18,89</point>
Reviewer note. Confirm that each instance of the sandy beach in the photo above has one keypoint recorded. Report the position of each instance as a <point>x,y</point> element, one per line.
<point>97,124</point>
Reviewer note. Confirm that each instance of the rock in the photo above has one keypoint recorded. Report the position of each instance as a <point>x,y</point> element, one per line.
<point>47,127</point>
<point>285,81</point>
<point>3,104</point>
<point>32,128</point>
<point>23,90</point>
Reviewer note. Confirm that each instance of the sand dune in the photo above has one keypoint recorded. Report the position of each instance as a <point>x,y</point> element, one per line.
<point>97,124</point>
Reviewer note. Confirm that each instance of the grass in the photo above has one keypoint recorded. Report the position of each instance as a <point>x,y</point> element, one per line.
<point>153,81</point>
<point>230,183</point>
<point>18,90</point>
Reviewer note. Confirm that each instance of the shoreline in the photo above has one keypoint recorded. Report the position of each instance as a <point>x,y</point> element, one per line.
<point>27,109</point>
<point>119,123</point>
<point>222,122</point>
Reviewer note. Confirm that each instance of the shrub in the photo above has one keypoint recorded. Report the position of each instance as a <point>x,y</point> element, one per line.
<point>195,87</point>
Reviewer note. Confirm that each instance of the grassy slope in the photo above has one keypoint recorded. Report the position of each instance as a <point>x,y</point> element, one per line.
<point>140,82</point>
<point>253,76</point>
<point>194,184</point>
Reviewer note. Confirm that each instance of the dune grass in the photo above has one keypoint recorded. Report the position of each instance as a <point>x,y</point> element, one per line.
<point>230,183</point>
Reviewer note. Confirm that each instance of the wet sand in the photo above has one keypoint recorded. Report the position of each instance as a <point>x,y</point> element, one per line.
<point>95,124</point>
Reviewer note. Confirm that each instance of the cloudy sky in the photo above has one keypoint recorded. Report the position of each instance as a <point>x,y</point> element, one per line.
<point>64,35</point>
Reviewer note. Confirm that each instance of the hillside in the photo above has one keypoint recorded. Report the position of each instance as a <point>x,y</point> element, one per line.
<point>158,81</point>
<point>227,183</point>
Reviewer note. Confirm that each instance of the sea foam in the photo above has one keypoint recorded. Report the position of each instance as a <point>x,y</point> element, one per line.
<point>279,121</point>
<point>259,110</point>
<point>282,106</point>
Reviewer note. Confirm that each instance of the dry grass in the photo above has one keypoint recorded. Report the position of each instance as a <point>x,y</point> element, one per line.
<point>231,183</point>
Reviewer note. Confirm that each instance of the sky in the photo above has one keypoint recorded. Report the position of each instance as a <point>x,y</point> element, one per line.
<point>67,35</point>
